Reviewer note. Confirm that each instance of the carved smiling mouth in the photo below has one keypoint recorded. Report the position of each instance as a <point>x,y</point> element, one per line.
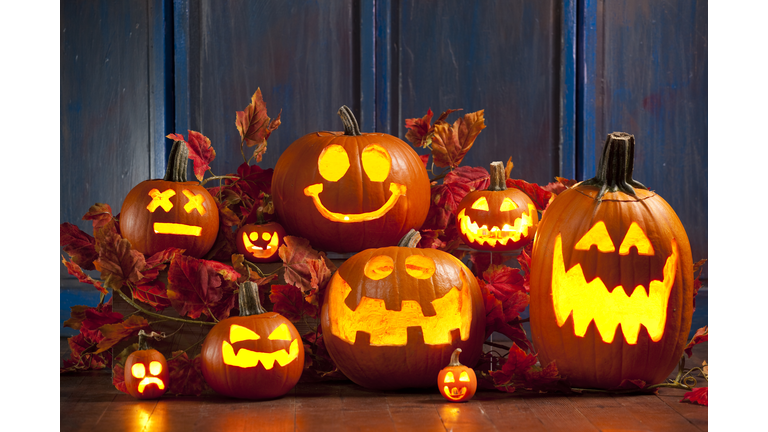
<point>454,393</point>
<point>591,301</point>
<point>258,251</point>
<point>482,234</point>
<point>150,380</point>
<point>314,191</point>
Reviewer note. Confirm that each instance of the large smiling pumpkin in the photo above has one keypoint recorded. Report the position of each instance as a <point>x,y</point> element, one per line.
<point>611,279</point>
<point>170,212</point>
<point>350,191</point>
<point>392,316</point>
<point>257,355</point>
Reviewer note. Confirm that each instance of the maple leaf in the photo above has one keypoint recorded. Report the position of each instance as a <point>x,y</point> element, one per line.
<point>200,151</point>
<point>506,284</point>
<point>95,318</point>
<point>200,287</point>
<point>450,143</point>
<point>518,362</point>
<point>153,294</point>
<point>117,262</point>
<point>445,198</point>
<point>75,270</point>
<point>100,214</point>
<point>632,384</point>
<point>419,130</point>
<point>255,126</point>
<point>82,357</point>
<point>114,333</point>
<point>545,379</point>
<point>701,335</point>
<point>524,259</point>
<point>290,303</point>
<point>296,254</point>
<point>536,193</point>
<point>698,395</point>
<point>185,375</point>
<point>118,378</point>
<point>481,260</point>
<point>76,317</point>
<point>79,245</point>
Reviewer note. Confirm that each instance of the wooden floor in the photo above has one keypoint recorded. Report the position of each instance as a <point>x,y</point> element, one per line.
<point>89,402</point>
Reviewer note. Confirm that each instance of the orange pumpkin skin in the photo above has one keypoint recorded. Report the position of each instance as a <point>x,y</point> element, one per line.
<point>604,357</point>
<point>151,388</point>
<point>268,237</point>
<point>456,382</point>
<point>257,380</point>
<point>412,362</point>
<point>352,194</point>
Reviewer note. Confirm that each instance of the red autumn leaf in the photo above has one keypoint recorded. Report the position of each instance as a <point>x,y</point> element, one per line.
<point>508,168</point>
<point>524,259</point>
<point>118,262</point>
<point>79,245</point>
<point>445,198</point>
<point>255,126</point>
<point>450,143</point>
<point>698,395</point>
<point>430,239</point>
<point>290,303</point>
<point>419,129</point>
<point>632,384</point>
<point>82,358</point>
<point>506,284</point>
<point>100,214</point>
<point>97,317</point>
<point>296,254</point>
<point>185,375</point>
<point>114,333</point>
<point>118,378</point>
<point>153,294</point>
<point>536,193</point>
<point>76,317</point>
<point>514,368</point>
<point>481,260</point>
<point>543,379</point>
<point>701,335</point>
<point>157,263</point>
<point>424,159</point>
<point>697,267</point>
<point>75,270</point>
<point>200,287</point>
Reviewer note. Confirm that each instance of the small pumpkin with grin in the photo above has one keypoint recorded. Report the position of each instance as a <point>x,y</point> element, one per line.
<point>349,191</point>
<point>259,242</point>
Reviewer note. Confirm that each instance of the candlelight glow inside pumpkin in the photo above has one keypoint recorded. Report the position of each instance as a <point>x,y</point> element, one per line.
<point>258,251</point>
<point>146,372</point>
<point>490,236</point>
<point>450,388</point>
<point>592,301</point>
<point>139,371</point>
<point>247,359</point>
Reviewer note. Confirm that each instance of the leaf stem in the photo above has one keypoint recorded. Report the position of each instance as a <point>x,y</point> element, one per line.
<point>156,315</point>
<point>202,183</point>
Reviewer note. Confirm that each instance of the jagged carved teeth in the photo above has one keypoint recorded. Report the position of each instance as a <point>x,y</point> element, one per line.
<point>591,301</point>
<point>482,234</point>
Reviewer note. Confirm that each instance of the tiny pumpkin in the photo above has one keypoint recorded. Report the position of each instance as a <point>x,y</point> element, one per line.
<point>497,219</point>
<point>146,371</point>
<point>170,212</point>
<point>257,355</point>
<point>456,382</point>
<point>259,242</point>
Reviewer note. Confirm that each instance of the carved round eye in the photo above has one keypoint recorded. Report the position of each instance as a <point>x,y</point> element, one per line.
<point>138,370</point>
<point>155,368</point>
<point>449,377</point>
<point>507,205</point>
<point>379,267</point>
<point>376,162</point>
<point>480,204</point>
<point>333,162</point>
<point>419,266</point>
<point>266,236</point>
<point>253,236</point>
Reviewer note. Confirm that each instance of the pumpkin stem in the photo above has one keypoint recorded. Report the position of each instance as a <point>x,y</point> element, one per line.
<point>176,170</point>
<point>351,127</point>
<point>455,358</point>
<point>614,172</point>
<point>143,336</point>
<point>248,296</point>
<point>498,177</point>
<point>411,239</point>
<point>260,216</point>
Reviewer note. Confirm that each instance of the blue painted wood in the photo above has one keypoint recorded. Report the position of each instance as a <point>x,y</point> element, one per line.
<point>160,83</point>
<point>387,61</point>
<point>568,89</point>
<point>588,50</point>
<point>367,36</point>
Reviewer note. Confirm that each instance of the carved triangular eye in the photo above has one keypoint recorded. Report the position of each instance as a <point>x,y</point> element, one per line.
<point>507,205</point>
<point>280,333</point>
<point>480,204</point>
<point>449,377</point>
<point>464,377</point>
<point>239,333</point>
<point>637,238</point>
<point>597,235</point>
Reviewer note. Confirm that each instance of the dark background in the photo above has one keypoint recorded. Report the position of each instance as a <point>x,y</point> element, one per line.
<point>554,78</point>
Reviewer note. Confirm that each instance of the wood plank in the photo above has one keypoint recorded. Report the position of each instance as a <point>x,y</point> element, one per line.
<point>464,416</point>
<point>507,411</point>
<point>557,413</point>
<point>653,412</point>
<point>606,413</point>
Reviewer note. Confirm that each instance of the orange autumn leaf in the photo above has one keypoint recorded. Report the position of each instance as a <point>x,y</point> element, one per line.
<point>114,333</point>
<point>450,143</point>
<point>255,126</point>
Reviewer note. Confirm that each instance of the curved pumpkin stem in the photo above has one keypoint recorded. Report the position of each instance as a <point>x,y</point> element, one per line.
<point>248,297</point>
<point>411,239</point>
<point>351,127</point>
<point>143,336</point>
<point>176,170</point>
<point>498,177</point>
<point>455,358</point>
<point>614,172</point>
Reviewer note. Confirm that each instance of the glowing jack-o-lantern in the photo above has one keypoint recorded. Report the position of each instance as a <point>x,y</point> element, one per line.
<point>497,219</point>
<point>456,382</point>
<point>259,242</point>
<point>349,191</point>
<point>392,316</point>
<point>611,279</point>
<point>171,212</point>
<point>146,372</point>
<point>257,355</point>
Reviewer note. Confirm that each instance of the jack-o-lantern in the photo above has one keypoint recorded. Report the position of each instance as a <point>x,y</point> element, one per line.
<point>611,278</point>
<point>259,242</point>
<point>456,382</point>
<point>171,212</point>
<point>392,316</point>
<point>497,219</point>
<point>257,355</point>
<point>349,191</point>
<point>146,372</point>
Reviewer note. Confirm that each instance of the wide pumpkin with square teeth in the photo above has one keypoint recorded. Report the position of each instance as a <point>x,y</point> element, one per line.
<point>611,279</point>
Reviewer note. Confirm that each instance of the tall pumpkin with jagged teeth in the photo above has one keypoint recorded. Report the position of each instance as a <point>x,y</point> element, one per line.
<point>611,278</point>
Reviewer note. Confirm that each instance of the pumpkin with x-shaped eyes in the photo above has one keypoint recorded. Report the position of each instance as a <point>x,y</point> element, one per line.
<point>497,219</point>
<point>611,279</point>
<point>170,212</point>
<point>345,192</point>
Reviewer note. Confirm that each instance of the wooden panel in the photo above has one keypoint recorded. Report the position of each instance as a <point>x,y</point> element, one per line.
<point>654,72</point>
<point>304,55</point>
<point>500,56</point>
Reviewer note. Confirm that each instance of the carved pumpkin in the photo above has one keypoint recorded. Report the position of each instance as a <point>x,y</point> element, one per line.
<point>391,317</point>
<point>349,191</point>
<point>611,278</point>
<point>259,242</point>
<point>497,219</point>
<point>456,382</point>
<point>257,355</point>
<point>146,372</point>
<point>171,212</point>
